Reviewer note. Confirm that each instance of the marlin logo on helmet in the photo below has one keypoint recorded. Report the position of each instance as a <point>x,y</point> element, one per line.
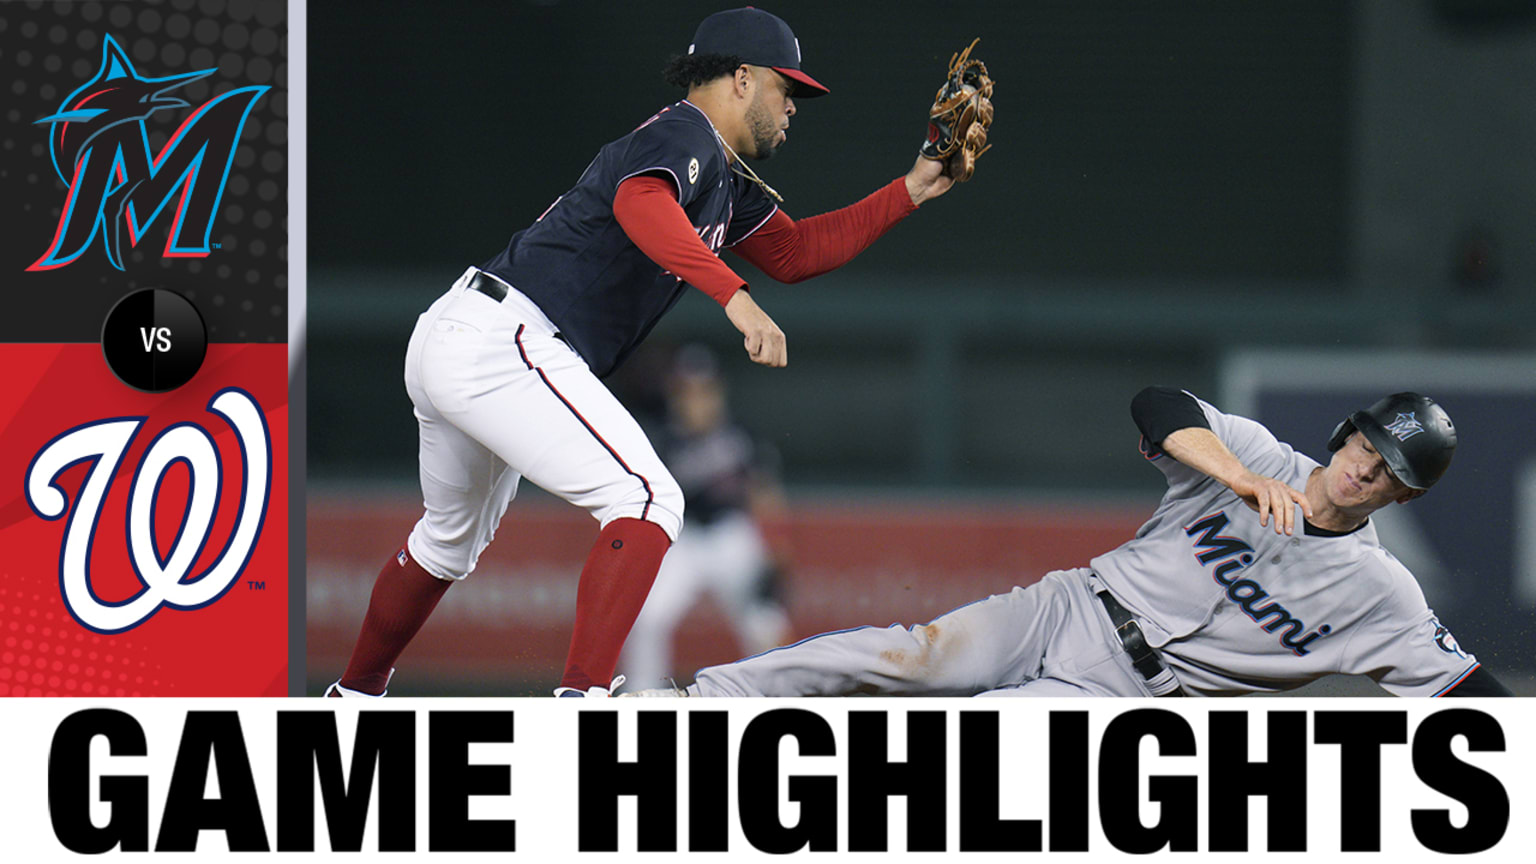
<point>1405,426</point>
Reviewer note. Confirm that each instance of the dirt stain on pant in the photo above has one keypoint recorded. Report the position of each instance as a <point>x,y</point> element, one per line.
<point>919,662</point>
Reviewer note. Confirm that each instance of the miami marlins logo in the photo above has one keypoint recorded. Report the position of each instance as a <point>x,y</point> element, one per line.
<point>1445,640</point>
<point>100,150</point>
<point>1405,426</point>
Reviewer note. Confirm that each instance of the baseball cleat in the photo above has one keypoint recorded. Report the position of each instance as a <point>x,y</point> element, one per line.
<point>336,691</point>
<point>592,692</point>
<point>657,692</point>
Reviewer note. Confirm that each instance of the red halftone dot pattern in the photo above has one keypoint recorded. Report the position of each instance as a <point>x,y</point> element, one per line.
<point>237,646</point>
<point>43,653</point>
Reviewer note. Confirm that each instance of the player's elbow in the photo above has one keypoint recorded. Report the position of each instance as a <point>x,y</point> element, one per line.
<point>1146,401</point>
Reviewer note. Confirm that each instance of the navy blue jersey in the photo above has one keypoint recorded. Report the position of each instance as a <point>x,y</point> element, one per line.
<point>580,267</point>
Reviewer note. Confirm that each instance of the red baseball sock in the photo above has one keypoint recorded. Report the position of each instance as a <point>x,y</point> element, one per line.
<point>404,596</point>
<point>614,583</point>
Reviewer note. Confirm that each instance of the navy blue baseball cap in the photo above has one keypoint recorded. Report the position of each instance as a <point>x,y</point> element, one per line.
<point>759,38</point>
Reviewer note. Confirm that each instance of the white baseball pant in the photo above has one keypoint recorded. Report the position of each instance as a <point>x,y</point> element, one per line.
<point>1053,638</point>
<point>499,397</point>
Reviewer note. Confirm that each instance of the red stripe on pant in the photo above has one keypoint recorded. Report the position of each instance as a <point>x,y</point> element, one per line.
<point>644,484</point>
<point>618,574</point>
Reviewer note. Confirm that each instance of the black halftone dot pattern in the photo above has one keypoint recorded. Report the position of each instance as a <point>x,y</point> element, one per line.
<point>53,48</point>
<point>264,42</point>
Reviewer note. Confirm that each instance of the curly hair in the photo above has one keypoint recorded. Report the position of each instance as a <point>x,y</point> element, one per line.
<point>687,71</point>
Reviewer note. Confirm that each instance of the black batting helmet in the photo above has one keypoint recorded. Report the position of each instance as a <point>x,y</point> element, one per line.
<point>1414,436</point>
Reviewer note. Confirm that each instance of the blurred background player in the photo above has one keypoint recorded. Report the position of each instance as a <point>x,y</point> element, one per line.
<point>730,489</point>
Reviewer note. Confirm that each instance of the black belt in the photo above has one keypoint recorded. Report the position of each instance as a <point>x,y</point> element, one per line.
<point>1143,657</point>
<point>496,289</point>
<point>489,286</point>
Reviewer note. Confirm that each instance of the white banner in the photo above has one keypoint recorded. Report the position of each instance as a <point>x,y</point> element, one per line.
<point>473,779</point>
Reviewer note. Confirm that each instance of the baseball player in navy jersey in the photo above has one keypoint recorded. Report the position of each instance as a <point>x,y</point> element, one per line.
<point>1259,571</point>
<point>504,369</point>
<point>728,481</point>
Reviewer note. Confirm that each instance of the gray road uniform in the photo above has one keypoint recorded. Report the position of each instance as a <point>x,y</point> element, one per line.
<point>1226,605</point>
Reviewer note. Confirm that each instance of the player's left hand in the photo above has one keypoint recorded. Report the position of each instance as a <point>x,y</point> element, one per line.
<point>927,180</point>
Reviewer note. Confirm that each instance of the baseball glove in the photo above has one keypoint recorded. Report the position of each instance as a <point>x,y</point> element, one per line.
<point>960,116</point>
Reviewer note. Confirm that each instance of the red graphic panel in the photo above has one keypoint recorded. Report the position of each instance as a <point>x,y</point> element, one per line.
<point>114,631</point>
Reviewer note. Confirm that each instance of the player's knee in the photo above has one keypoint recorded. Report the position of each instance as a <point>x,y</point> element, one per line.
<point>442,561</point>
<point>659,499</point>
<point>445,555</point>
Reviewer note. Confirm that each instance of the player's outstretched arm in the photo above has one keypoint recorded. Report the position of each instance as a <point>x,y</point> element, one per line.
<point>1201,450</point>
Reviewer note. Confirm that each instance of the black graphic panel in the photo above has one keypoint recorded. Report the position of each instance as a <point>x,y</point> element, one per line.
<point>161,127</point>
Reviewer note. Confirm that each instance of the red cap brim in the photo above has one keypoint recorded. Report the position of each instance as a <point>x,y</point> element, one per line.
<point>808,87</point>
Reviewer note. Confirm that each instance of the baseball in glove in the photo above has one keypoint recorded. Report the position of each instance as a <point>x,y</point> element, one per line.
<point>960,116</point>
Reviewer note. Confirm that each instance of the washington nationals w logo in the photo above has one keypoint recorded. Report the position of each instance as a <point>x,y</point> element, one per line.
<point>101,151</point>
<point>165,580</point>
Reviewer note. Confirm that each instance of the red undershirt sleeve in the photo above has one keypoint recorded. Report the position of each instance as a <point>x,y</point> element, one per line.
<point>791,251</point>
<point>647,209</point>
